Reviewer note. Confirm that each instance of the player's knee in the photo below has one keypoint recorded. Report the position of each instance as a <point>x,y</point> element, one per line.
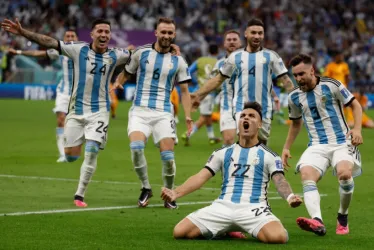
<point>344,172</point>
<point>277,237</point>
<point>347,185</point>
<point>179,232</point>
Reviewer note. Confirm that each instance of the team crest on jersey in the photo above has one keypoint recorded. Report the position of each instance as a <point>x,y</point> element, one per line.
<point>263,60</point>
<point>256,160</point>
<point>324,98</point>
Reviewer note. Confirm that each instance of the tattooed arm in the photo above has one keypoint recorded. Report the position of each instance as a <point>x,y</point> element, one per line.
<point>16,28</point>
<point>287,83</point>
<point>285,191</point>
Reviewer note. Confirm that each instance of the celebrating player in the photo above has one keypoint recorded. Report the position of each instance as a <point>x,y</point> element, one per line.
<point>318,101</point>
<point>152,112</point>
<point>254,67</point>
<point>247,168</point>
<point>88,116</point>
<point>63,90</point>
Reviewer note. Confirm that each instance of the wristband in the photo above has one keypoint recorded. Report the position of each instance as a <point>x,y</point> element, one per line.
<point>19,52</point>
<point>290,196</point>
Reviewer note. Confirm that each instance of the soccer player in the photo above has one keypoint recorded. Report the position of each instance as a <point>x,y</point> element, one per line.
<point>231,42</point>
<point>63,90</point>
<point>203,67</point>
<point>156,69</point>
<point>318,102</point>
<point>88,115</point>
<point>254,67</point>
<point>247,167</point>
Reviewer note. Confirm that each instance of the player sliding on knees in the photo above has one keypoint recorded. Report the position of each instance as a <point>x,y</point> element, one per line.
<point>247,168</point>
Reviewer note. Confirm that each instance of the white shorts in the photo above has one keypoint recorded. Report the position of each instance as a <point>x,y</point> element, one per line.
<point>79,128</point>
<point>148,121</point>
<point>207,105</point>
<point>226,120</point>
<point>224,216</point>
<point>322,156</point>
<point>264,132</point>
<point>61,103</point>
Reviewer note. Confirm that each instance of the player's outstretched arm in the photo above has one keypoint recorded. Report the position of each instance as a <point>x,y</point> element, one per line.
<point>190,185</point>
<point>287,83</point>
<point>16,28</point>
<point>32,53</point>
<point>186,101</point>
<point>120,81</point>
<point>208,87</point>
<point>285,191</point>
<point>355,132</point>
<point>293,131</point>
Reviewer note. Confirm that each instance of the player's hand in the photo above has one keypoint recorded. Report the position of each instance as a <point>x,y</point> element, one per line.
<point>285,155</point>
<point>12,51</point>
<point>195,101</point>
<point>168,194</point>
<point>277,104</point>
<point>356,137</point>
<point>189,123</point>
<point>131,47</point>
<point>175,50</point>
<point>12,27</point>
<point>295,201</point>
<point>116,85</point>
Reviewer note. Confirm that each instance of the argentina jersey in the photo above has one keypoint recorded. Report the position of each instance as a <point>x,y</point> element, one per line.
<point>91,75</point>
<point>66,82</point>
<point>227,88</point>
<point>156,75</point>
<point>246,172</point>
<point>253,80</point>
<point>321,111</point>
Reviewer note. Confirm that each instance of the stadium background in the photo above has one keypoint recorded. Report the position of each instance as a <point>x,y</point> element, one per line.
<point>30,180</point>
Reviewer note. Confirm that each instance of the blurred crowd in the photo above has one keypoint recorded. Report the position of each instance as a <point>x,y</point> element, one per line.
<point>319,27</point>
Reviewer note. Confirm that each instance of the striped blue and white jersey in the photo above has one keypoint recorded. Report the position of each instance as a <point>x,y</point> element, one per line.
<point>253,81</point>
<point>227,88</point>
<point>65,84</point>
<point>321,111</point>
<point>246,172</point>
<point>156,74</point>
<point>92,73</point>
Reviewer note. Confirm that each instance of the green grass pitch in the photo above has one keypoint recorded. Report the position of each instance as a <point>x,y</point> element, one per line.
<point>31,180</point>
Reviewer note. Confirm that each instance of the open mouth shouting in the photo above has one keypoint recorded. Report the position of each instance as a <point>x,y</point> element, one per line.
<point>246,125</point>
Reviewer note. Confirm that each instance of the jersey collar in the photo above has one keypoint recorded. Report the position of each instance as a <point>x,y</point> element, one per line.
<point>261,48</point>
<point>154,48</point>
<point>258,144</point>
<point>96,52</point>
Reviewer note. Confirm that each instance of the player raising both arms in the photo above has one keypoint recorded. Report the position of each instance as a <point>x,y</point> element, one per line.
<point>64,87</point>
<point>88,115</point>
<point>254,67</point>
<point>318,102</point>
<point>156,69</point>
<point>247,167</point>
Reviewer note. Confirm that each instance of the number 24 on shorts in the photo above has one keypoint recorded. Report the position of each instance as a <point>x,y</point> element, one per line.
<point>101,129</point>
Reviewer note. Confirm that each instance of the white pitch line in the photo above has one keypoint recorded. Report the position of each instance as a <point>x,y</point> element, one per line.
<point>58,211</point>
<point>93,181</point>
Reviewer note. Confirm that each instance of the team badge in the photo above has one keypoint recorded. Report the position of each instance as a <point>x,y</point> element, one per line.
<point>256,160</point>
<point>263,60</point>
<point>324,98</point>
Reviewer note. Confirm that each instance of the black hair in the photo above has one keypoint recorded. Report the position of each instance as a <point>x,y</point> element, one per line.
<point>301,58</point>
<point>254,105</point>
<point>255,22</point>
<point>99,21</point>
<point>213,49</point>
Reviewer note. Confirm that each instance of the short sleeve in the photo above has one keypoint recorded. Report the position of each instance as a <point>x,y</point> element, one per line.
<point>71,49</point>
<point>215,162</point>
<point>228,67</point>
<point>133,63</point>
<point>275,165</point>
<point>294,110</point>
<point>278,66</point>
<point>53,54</point>
<point>343,94</point>
<point>215,70</point>
<point>123,56</point>
<point>183,74</point>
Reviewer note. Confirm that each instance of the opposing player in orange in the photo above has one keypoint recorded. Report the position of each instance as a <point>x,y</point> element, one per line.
<point>363,100</point>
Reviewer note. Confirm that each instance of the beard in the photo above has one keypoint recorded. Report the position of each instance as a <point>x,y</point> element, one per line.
<point>165,43</point>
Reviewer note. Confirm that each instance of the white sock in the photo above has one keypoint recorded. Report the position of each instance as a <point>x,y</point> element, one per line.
<point>210,131</point>
<point>346,191</point>
<point>168,168</point>
<point>60,140</point>
<point>194,130</point>
<point>140,163</point>
<point>88,166</point>
<point>312,199</point>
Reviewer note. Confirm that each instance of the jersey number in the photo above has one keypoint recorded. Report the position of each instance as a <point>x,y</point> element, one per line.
<point>241,170</point>
<point>101,129</point>
<point>156,74</point>
<point>261,210</point>
<point>102,70</point>
<point>252,71</point>
<point>314,112</point>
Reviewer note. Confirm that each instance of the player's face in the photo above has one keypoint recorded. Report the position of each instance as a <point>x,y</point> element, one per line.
<point>70,36</point>
<point>254,35</point>
<point>101,36</point>
<point>165,34</point>
<point>249,123</point>
<point>303,74</point>
<point>232,42</point>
